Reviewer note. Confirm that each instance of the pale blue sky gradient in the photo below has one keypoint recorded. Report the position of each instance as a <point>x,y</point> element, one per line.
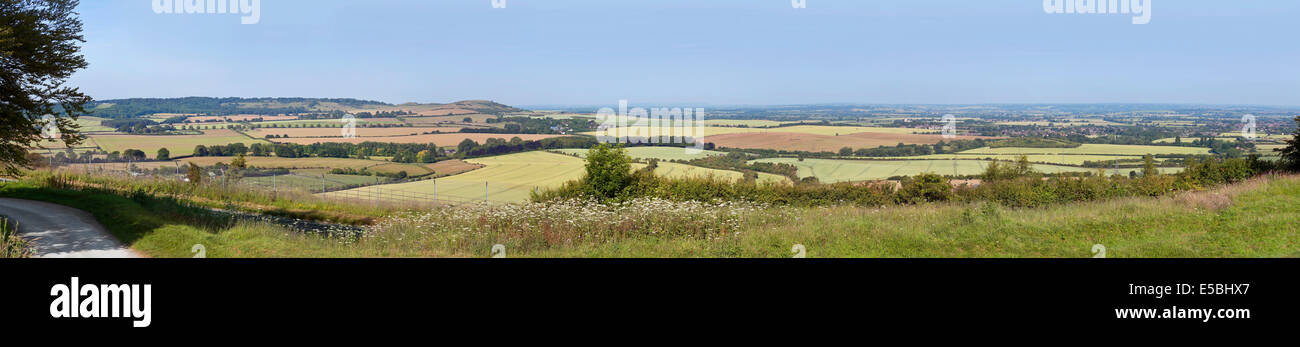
<point>700,52</point>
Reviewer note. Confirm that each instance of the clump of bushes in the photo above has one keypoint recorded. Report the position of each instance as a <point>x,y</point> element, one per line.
<point>610,179</point>
<point>1013,184</point>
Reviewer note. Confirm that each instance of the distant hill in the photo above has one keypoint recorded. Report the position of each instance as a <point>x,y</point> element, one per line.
<point>131,108</point>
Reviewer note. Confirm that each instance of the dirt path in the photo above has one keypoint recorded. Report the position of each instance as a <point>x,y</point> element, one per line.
<point>62,232</point>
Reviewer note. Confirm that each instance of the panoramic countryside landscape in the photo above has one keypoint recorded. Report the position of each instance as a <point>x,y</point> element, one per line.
<point>300,177</point>
<point>647,129</point>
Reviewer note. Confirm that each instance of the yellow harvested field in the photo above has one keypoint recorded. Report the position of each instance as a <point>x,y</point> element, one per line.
<point>511,178</point>
<point>178,145</point>
<point>439,139</point>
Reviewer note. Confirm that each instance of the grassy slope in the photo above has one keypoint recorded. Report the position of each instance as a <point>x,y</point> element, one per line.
<point>158,228</point>
<point>513,177</point>
<point>1250,220</point>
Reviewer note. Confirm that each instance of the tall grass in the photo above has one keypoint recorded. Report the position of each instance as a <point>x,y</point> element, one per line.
<point>542,227</point>
<point>11,245</point>
<point>292,203</point>
<point>1251,219</point>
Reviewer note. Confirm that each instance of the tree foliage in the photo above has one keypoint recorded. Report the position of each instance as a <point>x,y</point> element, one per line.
<point>1291,153</point>
<point>608,170</point>
<point>39,50</point>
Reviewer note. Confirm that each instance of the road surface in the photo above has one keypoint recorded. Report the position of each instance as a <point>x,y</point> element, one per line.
<point>62,232</point>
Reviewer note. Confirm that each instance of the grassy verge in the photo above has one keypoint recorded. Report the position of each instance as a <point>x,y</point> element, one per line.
<point>292,203</point>
<point>1252,219</point>
<point>12,246</point>
<point>165,227</point>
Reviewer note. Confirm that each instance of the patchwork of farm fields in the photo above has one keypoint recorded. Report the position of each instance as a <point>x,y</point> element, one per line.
<point>328,123</point>
<point>478,119</point>
<point>512,178</point>
<point>295,164</point>
<point>439,139</point>
<point>1095,149</point>
<point>92,124</point>
<point>646,153</point>
<point>1059,159</point>
<point>822,143</point>
<point>338,132</point>
<point>826,130</point>
<point>845,170</point>
<point>742,122</point>
<point>178,145</point>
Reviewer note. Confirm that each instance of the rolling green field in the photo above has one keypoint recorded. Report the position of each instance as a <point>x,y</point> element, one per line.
<point>841,170</point>
<point>178,145</point>
<point>646,153</point>
<point>1094,149</point>
<point>92,124</point>
<point>512,178</point>
<point>1269,150</point>
<point>312,181</point>
<point>800,129</point>
<point>1061,159</point>
<point>377,166</point>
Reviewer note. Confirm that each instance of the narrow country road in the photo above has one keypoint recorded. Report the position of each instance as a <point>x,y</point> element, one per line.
<point>62,232</point>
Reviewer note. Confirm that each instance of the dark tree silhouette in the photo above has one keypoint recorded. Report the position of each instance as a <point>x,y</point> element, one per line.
<point>39,49</point>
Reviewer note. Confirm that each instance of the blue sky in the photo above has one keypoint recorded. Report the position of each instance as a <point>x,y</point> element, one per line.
<point>702,52</point>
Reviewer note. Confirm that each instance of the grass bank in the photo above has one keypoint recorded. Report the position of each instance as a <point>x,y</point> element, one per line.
<point>12,246</point>
<point>1257,218</point>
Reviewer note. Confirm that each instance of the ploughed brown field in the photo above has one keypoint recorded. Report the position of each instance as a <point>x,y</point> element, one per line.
<point>823,143</point>
<point>446,140</point>
<point>338,132</point>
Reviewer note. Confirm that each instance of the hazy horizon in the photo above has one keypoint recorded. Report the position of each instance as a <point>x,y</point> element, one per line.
<point>726,52</point>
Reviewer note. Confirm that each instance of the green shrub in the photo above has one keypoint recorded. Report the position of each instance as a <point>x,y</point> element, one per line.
<point>608,171</point>
<point>926,187</point>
